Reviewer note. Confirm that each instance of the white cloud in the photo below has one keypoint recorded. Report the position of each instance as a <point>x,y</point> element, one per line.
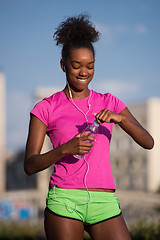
<point>110,33</point>
<point>121,28</point>
<point>103,29</point>
<point>125,90</point>
<point>106,32</point>
<point>141,29</point>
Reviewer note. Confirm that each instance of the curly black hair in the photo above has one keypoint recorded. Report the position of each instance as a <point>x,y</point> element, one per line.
<point>76,32</point>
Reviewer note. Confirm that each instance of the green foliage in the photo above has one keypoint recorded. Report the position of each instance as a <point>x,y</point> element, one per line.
<point>25,231</point>
<point>145,231</point>
<point>20,231</point>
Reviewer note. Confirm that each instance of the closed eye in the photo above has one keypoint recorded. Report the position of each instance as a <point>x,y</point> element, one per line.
<point>75,67</point>
<point>90,67</point>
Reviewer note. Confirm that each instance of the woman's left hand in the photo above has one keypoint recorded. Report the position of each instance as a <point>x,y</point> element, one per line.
<point>129,124</point>
<point>108,116</point>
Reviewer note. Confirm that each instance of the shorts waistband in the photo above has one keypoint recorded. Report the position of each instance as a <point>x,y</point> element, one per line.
<point>89,207</point>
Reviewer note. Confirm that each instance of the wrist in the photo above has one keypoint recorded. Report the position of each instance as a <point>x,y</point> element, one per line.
<point>123,120</point>
<point>63,149</point>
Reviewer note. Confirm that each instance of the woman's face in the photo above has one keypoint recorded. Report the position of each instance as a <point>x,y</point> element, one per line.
<point>79,68</point>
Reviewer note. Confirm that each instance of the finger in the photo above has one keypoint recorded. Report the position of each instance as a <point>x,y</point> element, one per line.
<point>109,117</point>
<point>97,117</point>
<point>82,134</point>
<point>78,135</point>
<point>89,138</point>
<point>85,149</point>
<point>104,115</point>
<point>97,114</point>
<point>87,144</point>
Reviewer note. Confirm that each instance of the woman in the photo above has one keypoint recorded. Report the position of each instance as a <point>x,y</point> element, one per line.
<point>81,191</point>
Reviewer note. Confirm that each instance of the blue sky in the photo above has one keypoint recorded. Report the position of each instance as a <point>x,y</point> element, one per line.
<point>127,54</point>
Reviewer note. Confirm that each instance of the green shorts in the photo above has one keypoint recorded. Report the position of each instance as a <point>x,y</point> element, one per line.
<point>88,207</point>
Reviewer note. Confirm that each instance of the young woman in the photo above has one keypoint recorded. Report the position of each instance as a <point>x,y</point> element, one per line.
<point>81,191</point>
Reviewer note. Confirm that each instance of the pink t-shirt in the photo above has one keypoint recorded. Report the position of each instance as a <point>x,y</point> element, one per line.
<point>64,121</point>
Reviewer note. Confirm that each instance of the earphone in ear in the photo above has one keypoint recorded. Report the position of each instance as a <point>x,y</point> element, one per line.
<point>64,69</point>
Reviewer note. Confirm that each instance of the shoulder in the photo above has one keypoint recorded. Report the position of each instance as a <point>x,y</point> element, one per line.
<point>104,96</point>
<point>110,101</point>
<point>49,101</point>
<point>53,98</point>
<point>45,107</point>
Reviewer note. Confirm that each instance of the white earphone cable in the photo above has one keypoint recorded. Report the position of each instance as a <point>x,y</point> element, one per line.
<point>69,209</point>
<point>85,176</point>
<point>89,105</point>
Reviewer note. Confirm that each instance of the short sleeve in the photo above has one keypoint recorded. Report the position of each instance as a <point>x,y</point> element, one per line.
<point>119,105</point>
<point>41,111</point>
<point>115,104</point>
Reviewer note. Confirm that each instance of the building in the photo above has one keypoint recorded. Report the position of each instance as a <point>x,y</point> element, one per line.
<point>135,168</point>
<point>2,132</point>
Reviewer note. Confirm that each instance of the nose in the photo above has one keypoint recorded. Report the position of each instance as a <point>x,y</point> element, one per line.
<point>83,72</point>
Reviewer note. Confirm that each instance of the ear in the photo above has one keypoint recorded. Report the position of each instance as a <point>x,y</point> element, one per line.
<point>62,65</point>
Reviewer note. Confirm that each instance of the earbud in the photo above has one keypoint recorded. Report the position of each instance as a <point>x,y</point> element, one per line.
<point>64,69</point>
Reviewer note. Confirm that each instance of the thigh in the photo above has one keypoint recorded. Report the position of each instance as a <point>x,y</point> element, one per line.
<point>61,228</point>
<point>111,229</point>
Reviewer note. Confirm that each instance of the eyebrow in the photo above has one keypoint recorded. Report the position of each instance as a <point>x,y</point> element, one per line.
<point>80,62</point>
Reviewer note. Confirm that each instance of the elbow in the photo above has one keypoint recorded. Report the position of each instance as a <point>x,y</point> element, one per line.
<point>150,144</point>
<point>27,169</point>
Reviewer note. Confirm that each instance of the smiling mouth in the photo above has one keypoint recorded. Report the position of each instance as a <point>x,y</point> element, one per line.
<point>82,79</point>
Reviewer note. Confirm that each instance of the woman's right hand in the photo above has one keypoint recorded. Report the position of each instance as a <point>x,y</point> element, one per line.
<point>79,145</point>
<point>35,161</point>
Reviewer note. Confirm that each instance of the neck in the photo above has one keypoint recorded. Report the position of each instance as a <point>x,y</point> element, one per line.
<point>75,94</point>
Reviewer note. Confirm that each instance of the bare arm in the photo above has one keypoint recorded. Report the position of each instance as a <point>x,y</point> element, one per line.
<point>129,124</point>
<point>35,162</point>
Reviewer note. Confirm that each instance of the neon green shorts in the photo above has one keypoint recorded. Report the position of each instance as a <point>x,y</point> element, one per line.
<point>88,207</point>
